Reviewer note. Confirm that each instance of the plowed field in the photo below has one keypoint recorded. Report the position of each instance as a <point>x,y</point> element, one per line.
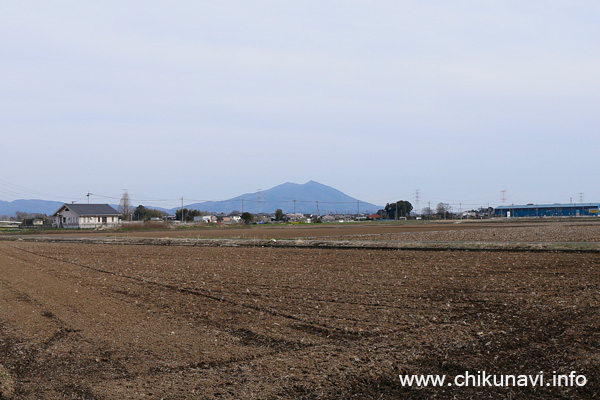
<point>90,321</point>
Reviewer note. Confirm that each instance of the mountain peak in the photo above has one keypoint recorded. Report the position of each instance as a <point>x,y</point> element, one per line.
<point>291,197</point>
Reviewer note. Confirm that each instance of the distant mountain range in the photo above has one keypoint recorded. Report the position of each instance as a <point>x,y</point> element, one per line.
<point>29,206</point>
<point>290,197</point>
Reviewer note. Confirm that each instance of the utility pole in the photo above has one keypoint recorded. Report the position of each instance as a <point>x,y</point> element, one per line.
<point>318,213</point>
<point>181,210</point>
<point>242,205</point>
<point>357,209</point>
<point>88,196</point>
<point>294,207</point>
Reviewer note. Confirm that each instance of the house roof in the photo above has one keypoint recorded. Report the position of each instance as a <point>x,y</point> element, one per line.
<point>88,209</point>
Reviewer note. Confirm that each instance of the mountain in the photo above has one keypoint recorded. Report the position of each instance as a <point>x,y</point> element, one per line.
<point>282,196</point>
<point>306,195</point>
<point>29,206</point>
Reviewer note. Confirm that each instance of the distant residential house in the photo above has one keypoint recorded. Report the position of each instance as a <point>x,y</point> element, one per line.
<point>294,217</point>
<point>9,224</point>
<point>327,218</point>
<point>207,219</point>
<point>375,217</point>
<point>79,216</point>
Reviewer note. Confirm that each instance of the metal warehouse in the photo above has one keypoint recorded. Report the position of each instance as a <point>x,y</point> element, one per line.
<point>548,210</point>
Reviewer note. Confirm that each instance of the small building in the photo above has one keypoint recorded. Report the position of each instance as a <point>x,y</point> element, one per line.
<point>295,217</point>
<point>10,224</point>
<point>328,218</point>
<point>207,219</point>
<point>81,216</point>
<point>548,210</point>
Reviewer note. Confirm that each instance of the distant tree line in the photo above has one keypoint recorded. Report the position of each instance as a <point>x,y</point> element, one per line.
<point>399,209</point>
<point>142,213</point>
<point>188,215</point>
<point>444,211</point>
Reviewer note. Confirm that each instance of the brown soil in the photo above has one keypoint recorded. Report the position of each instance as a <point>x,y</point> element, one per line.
<point>289,231</point>
<point>539,232</point>
<point>91,321</point>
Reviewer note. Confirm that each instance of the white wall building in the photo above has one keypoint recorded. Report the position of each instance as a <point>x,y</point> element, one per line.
<point>79,216</point>
<point>205,218</point>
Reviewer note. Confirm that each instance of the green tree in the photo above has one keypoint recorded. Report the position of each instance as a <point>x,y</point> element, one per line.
<point>188,215</point>
<point>279,215</point>
<point>399,209</point>
<point>247,217</point>
<point>142,213</point>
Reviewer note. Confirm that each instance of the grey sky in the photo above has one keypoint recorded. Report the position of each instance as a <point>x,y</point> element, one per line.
<point>208,100</point>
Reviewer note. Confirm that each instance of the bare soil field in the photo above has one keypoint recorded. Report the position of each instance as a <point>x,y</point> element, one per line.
<point>539,232</point>
<point>467,230</point>
<point>100,321</point>
<point>288,231</point>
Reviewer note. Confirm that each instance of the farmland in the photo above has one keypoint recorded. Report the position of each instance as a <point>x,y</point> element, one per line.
<point>103,321</point>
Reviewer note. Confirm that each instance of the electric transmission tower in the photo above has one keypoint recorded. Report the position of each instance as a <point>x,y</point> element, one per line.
<point>417,200</point>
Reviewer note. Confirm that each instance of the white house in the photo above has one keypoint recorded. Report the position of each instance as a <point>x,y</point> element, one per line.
<point>9,224</point>
<point>86,216</point>
<point>205,218</point>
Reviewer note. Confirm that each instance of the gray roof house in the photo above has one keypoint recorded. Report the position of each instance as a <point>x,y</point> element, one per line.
<point>80,216</point>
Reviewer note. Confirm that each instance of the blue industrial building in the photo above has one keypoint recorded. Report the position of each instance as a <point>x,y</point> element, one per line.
<point>548,210</point>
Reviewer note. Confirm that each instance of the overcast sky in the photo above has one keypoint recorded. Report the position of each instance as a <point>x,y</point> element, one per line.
<point>209,100</point>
